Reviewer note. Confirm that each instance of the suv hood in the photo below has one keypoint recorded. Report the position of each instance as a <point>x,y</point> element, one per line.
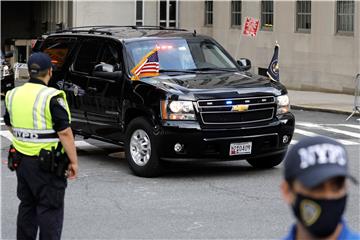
<point>216,85</point>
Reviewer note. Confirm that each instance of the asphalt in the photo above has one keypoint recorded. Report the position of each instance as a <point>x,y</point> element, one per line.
<point>323,102</point>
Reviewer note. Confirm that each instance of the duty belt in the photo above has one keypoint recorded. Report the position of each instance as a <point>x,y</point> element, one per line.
<point>35,135</point>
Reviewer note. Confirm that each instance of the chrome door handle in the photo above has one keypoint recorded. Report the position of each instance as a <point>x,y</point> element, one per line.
<point>94,89</point>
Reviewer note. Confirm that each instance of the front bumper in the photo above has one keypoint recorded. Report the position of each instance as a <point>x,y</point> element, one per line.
<point>214,144</point>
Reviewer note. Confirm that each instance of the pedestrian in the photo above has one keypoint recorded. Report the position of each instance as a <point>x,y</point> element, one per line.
<point>315,186</point>
<point>43,152</point>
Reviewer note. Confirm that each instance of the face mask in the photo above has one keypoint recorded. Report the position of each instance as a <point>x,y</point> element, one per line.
<point>320,217</point>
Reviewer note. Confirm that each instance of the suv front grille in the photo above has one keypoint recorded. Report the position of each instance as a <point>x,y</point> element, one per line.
<point>222,111</point>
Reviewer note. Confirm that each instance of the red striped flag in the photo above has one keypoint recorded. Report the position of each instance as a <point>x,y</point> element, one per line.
<point>148,66</point>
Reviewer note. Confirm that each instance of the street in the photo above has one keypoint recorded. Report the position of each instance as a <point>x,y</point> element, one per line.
<point>212,200</point>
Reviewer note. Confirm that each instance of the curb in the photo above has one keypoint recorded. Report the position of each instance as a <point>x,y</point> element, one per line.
<point>317,109</point>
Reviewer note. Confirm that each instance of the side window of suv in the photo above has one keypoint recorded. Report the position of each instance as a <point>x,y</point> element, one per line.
<point>87,57</point>
<point>111,55</point>
<point>58,49</point>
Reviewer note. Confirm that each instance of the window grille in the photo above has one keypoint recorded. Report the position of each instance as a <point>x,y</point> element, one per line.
<point>139,12</point>
<point>267,13</point>
<point>209,12</point>
<point>303,16</point>
<point>236,13</point>
<point>345,16</point>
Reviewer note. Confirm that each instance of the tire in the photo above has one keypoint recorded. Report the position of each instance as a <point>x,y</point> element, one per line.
<point>266,162</point>
<point>141,146</point>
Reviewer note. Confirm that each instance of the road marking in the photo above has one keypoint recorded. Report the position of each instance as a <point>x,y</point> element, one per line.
<point>305,133</point>
<point>311,134</point>
<point>294,142</point>
<point>2,124</point>
<point>6,134</point>
<point>344,125</point>
<point>329,129</point>
<point>83,145</point>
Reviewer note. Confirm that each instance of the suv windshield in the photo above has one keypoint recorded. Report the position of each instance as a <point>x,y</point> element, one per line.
<point>181,55</point>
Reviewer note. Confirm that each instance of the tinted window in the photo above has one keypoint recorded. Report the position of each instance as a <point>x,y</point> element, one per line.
<point>58,49</point>
<point>87,57</point>
<point>111,55</point>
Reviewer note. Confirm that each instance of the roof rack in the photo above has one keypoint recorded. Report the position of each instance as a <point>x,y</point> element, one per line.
<point>97,29</point>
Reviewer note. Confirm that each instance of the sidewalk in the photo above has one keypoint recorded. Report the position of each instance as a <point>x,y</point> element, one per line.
<point>320,101</point>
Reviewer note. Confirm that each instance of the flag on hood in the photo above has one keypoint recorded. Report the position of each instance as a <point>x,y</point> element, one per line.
<point>148,66</point>
<point>273,69</point>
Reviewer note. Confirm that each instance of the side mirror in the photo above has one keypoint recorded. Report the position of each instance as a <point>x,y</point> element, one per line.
<point>107,71</point>
<point>8,55</point>
<point>103,67</point>
<point>245,64</point>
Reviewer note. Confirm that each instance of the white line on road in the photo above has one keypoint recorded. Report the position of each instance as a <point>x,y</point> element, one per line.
<point>329,129</point>
<point>6,134</point>
<point>311,134</point>
<point>344,125</point>
<point>83,145</point>
<point>2,124</point>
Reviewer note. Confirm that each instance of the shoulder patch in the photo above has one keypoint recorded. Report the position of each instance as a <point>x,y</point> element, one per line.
<point>61,102</point>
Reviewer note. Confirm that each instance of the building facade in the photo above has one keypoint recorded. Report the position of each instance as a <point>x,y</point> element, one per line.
<point>319,40</point>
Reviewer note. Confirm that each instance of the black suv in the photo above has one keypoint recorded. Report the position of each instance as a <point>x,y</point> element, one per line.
<point>203,106</point>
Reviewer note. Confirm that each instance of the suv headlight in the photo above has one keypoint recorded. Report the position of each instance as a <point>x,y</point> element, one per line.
<point>177,110</point>
<point>283,104</point>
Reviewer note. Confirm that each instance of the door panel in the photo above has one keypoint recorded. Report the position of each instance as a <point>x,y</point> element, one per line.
<point>106,97</point>
<point>76,84</point>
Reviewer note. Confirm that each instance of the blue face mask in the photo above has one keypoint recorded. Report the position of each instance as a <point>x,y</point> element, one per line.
<point>320,217</point>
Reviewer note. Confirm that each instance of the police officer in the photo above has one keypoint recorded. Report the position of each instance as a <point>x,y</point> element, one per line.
<point>39,118</point>
<point>316,169</point>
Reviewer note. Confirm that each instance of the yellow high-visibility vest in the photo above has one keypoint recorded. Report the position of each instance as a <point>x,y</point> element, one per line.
<point>29,110</point>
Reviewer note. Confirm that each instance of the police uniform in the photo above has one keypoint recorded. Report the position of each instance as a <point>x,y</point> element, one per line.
<point>36,113</point>
<point>312,162</point>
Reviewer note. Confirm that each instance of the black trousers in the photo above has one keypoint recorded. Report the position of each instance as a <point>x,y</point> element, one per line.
<point>41,197</point>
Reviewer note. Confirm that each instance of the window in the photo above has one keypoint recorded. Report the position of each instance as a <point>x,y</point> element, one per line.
<point>111,56</point>
<point>267,12</point>
<point>87,56</point>
<point>236,13</point>
<point>209,12</point>
<point>139,12</point>
<point>58,49</point>
<point>345,16</point>
<point>168,13</point>
<point>303,16</point>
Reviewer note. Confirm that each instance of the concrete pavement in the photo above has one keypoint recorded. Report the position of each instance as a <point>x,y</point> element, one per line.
<point>320,101</point>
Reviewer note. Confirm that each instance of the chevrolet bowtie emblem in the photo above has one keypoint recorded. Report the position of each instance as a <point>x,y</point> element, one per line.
<point>240,108</point>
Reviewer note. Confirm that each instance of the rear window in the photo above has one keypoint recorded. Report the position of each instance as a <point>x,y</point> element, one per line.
<point>58,49</point>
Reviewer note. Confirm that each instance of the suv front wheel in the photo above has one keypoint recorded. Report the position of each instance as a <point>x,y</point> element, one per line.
<point>267,162</point>
<point>141,148</point>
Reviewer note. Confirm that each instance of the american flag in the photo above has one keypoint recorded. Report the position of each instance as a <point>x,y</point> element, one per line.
<point>148,66</point>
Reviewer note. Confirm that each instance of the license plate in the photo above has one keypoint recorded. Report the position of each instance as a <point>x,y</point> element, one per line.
<point>240,148</point>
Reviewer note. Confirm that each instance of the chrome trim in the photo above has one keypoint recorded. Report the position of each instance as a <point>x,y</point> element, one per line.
<point>252,110</point>
<point>222,99</point>
<point>240,137</point>
<point>250,104</point>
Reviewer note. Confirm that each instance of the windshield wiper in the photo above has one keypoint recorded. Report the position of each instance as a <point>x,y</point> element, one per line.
<point>215,69</point>
<point>177,71</point>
